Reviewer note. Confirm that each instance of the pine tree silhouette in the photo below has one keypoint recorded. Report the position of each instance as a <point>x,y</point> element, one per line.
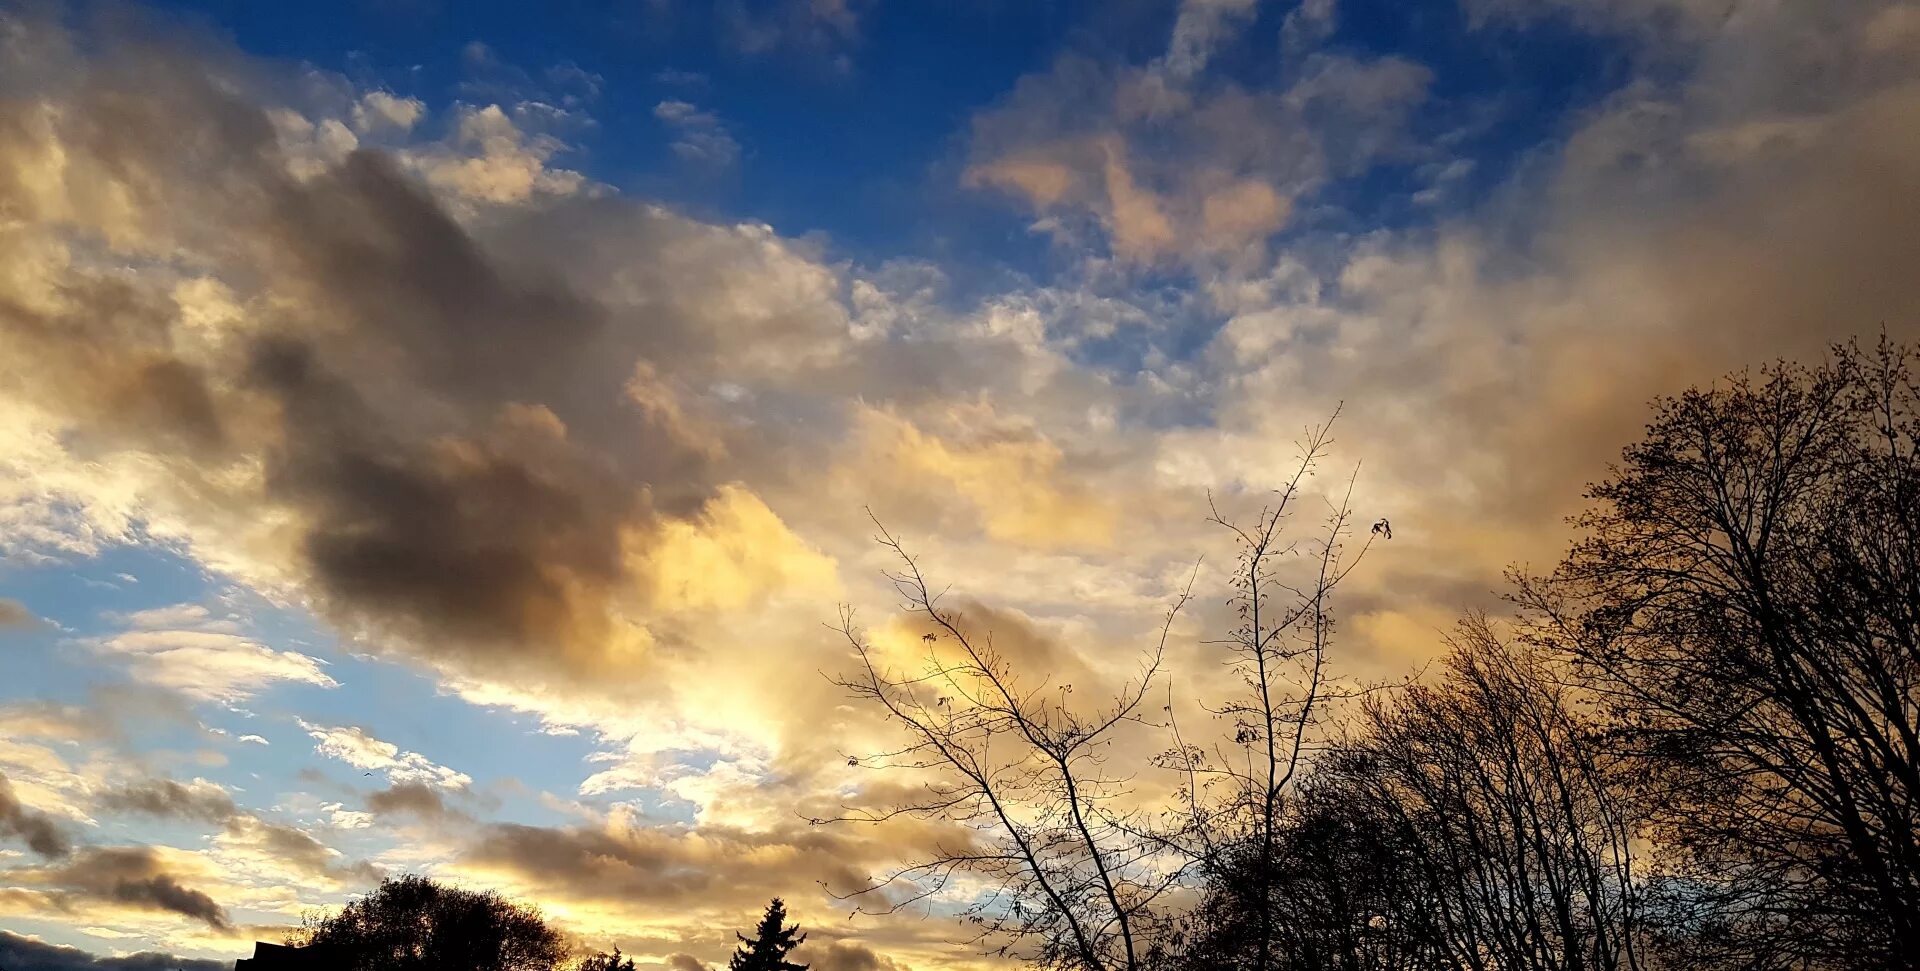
<point>767,949</point>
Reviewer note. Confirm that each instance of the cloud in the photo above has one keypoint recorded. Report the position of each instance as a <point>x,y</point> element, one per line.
<point>698,135</point>
<point>362,751</point>
<point>201,800</point>
<point>272,852</point>
<point>492,159</point>
<point>1012,476</point>
<point>349,398</point>
<point>1171,169</point>
<point>733,553</point>
<point>678,891</point>
<point>40,719</point>
<point>379,109</point>
<point>1197,28</point>
<point>37,830</point>
<point>822,29</point>
<point>19,953</point>
<point>15,616</point>
<point>139,878</point>
<point>716,870</point>
<point>246,843</point>
<point>208,665</point>
<point>585,457</point>
<point>414,798</point>
<point>846,956</point>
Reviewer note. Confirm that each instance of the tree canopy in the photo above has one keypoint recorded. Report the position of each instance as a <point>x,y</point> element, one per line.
<point>411,923</point>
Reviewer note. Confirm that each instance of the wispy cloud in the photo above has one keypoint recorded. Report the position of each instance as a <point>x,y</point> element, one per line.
<point>698,135</point>
<point>208,661</point>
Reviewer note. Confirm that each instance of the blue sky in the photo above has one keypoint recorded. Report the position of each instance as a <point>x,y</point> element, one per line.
<point>436,437</point>
<point>859,134</point>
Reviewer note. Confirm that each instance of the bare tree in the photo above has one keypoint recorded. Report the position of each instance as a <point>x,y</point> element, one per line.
<point>1029,772</point>
<point>1464,823</point>
<point>1747,600</point>
<point>1278,647</point>
<point>1503,797</point>
<point>1082,873</point>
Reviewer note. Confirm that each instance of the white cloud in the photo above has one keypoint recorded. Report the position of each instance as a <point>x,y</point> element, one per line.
<point>355,747</point>
<point>209,665</point>
<point>378,109</point>
<point>493,159</point>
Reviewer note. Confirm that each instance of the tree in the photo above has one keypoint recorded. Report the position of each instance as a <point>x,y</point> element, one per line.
<point>1518,841</point>
<point>1026,769</point>
<point>606,962</point>
<point>1278,647</point>
<point>1341,882</point>
<point>767,949</point>
<point>1469,821</point>
<point>1747,600</point>
<point>411,923</point>
<point>1083,874</point>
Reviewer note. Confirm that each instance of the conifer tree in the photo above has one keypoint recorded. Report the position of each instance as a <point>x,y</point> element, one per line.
<point>767,949</point>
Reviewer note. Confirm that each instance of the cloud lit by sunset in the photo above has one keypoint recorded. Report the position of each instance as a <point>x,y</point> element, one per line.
<point>440,438</point>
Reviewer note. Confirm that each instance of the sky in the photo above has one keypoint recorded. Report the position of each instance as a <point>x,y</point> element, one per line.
<point>440,437</point>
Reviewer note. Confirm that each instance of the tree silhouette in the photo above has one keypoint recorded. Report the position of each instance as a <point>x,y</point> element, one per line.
<point>606,962</point>
<point>411,923</point>
<point>767,949</point>
<point>1747,600</point>
<point>1697,746</point>
<point>1083,875</point>
<point>1494,780</point>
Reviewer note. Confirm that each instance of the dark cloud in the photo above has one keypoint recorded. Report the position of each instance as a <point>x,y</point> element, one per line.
<point>25,954</point>
<point>466,544</point>
<point>685,962</point>
<point>36,829</point>
<point>284,845</point>
<point>15,615</point>
<point>721,867</point>
<point>165,893</point>
<point>445,427</point>
<point>134,876</point>
<point>845,956</point>
<point>165,797</point>
<point>415,798</point>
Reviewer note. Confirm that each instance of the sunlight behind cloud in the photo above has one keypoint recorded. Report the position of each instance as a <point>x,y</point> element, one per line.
<point>435,458</point>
